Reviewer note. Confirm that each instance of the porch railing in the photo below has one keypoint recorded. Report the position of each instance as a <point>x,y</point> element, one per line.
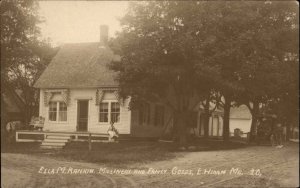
<point>39,136</point>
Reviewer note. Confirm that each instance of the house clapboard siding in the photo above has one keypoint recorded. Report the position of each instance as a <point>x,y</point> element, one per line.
<point>150,129</point>
<point>93,114</point>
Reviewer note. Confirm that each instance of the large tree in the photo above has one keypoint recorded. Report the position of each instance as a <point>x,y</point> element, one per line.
<point>23,54</point>
<point>249,44</point>
<point>158,56</point>
<point>270,39</point>
<point>203,49</point>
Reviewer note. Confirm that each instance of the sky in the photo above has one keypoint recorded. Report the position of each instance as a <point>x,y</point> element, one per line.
<point>79,21</point>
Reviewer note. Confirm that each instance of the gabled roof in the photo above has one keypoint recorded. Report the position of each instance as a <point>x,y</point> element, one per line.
<point>81,65</point>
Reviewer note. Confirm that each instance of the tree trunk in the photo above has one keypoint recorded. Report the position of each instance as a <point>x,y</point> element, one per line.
<point>288,131</point>
<point>227,106</point>
<point>28,114</point>
<point>255,113</point>
<point>206,119</point>
<point>182,128</point>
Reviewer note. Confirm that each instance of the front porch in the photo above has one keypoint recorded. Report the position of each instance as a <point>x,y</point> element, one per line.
<point>39,136</point>
<point>58,140</point>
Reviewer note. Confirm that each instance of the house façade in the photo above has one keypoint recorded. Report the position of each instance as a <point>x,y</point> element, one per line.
<point>79,93</point>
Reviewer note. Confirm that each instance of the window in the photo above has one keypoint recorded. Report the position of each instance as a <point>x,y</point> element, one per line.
<point>159,115</point>
<point>103,112</point>
<point>146,115</point>
<point>52,111</point>
<point>57,109</point>
<point>141,115</point>
<point>115,112</point>
<point>109,111</point>
<point>62,113</point>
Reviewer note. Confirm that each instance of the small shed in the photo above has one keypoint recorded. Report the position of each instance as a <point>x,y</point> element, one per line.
<point>240,118</point>
<point>12,106</point>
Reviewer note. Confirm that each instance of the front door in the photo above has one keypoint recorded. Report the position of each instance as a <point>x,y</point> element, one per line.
<point>82,115</point>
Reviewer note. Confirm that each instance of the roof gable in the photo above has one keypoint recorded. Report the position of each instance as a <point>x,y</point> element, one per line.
<point>82,65</point>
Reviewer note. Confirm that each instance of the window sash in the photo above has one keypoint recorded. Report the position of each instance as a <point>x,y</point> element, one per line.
<point>103,117</point>
<point>115,112</point>
<point>103,112</point>
<point>58,111</point>
<point>104,107</point>
<point>109,111</point>
<point>62,107</point>
<point>52,106</point>
<point>115,107</point>
<point>52,116</point>
<point>52,111</point>
<point>62,114</point>
<point>141,115</point>
<point>115,117</point>
<point>146,114</point>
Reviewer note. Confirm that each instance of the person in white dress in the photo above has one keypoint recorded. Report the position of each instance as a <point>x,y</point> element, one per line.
<point>112,132</point>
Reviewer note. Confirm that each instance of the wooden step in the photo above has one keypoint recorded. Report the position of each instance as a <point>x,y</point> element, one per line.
<point>59,137</point>
<point>56,140</point>
<point>50,147</point>
<point>53,144</point>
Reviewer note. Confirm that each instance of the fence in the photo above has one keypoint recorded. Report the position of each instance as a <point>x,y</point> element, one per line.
<point>39,136</point>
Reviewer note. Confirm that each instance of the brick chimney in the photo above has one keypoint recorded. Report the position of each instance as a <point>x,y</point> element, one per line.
<point>103,34</point>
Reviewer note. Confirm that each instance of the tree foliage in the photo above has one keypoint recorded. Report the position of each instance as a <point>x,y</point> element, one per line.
<point>23,54</point>
<point>200,49</point>
<point>157,58</point>
<point>251,42</point>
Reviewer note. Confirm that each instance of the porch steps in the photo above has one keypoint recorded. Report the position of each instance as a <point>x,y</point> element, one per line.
<point>58,137</point>
<point>51,147</point>
<point>55,141</point>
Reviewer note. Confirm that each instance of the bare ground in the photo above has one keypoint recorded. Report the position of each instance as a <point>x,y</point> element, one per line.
<point>277,167</point>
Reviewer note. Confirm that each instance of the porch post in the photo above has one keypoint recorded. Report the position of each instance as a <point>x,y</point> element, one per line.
<point>17,136</point>
<point>90,141</point>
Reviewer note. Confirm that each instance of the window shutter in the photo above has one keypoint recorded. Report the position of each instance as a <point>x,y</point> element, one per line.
<point>99,96</point>
<point>47,97</point>
<point>50,93</point>
<point>118,97</point>
<point>65,95</point>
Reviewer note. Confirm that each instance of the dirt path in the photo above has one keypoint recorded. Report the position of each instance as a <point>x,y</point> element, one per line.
<point>21,170</point>
<point>277,167</point>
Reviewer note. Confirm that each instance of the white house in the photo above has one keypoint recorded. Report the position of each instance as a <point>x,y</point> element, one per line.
<point>78,92</point>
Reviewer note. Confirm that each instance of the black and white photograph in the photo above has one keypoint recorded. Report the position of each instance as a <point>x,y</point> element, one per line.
<point>149,94</point>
